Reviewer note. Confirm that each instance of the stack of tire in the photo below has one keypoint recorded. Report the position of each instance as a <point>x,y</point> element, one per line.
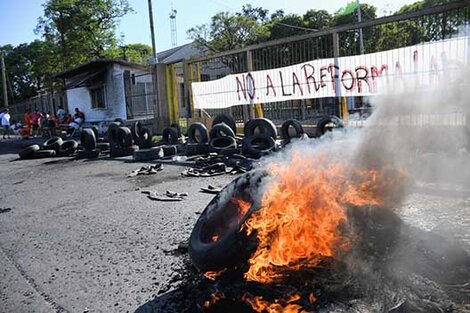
<point>260,137</point>
<point>223,135</point>
<point>88,149</point>
<point>148,151</point>
<point>172,140</point>
<point>120,140</point>
<point>292,130</point>
<point>198,140</point>
<point>53,147</point>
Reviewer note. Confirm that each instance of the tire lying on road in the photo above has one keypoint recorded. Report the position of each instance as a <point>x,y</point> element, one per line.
<point>221,130</point>
<point>53,143</point>
<point>198,134</point>
<point>42,154</point>
<point>328,123</point>
<point>124,137</point>
<point>260,126</point>
<point>28,152</point>
<point>88,139</point>
<point>296,125</point>
<point>170,135</point>
<point>216,241</point>
<point>68,148</point>
<point>148,154</point>
<point>88,154</point>
<point>103,146</point>
<point>197,149</point>
<point>227,120</point>
<point>258,145</point>
<point>223,143</point>
<point>122,152</point>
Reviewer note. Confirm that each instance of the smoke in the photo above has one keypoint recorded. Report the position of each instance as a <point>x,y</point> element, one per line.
<point>419,142</point>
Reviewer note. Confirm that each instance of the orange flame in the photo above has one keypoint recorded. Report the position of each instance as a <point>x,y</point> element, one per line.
<point>214,298</point>
<point>213,275</point>
<point>243,207</point>
<point>214,238</point>
<point>279,305</point>
<point>301,211</point>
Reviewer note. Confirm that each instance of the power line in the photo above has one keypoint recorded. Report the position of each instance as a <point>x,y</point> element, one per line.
<point>296,27</point>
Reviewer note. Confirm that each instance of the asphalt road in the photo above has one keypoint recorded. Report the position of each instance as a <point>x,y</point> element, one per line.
<point>81,237</point>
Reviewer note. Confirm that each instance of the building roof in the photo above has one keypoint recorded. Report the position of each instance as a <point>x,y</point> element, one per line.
<point>97,66</point>
<point>178,54</point>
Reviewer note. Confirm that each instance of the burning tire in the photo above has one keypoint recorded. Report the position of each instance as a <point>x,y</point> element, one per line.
<point>327,124</point>
<point>198,133</point>
<point>261,126</point>
<point>227,120</point>
<point>299,130</point>
<point>221,130</point>
<point>216,242</point>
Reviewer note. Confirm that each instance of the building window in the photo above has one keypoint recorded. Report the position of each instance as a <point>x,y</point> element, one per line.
<point>98,98</point>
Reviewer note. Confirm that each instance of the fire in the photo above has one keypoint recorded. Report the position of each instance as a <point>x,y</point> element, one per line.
<point>279,305</point>
<point>214,298</point>
<point>213,275</point>
<point>214,238</point>
<point>243,207</point>
<point>301,212</point>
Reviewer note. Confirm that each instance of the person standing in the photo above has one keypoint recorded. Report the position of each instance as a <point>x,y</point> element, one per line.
<point>5,117</point>
<point>36,118</point>
<point>27,122</point>
<point>60,114</point>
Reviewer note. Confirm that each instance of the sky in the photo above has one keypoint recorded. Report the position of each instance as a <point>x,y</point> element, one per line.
<point>18,18</point>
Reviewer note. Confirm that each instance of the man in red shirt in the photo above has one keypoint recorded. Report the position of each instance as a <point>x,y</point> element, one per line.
<point>36,118</point>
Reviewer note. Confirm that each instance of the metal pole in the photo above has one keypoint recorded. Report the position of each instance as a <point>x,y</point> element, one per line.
<point>4,81</point>
<point>361,35</point>
<point>157,107</point>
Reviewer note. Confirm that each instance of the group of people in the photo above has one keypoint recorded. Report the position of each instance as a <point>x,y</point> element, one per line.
<point>37,122</point>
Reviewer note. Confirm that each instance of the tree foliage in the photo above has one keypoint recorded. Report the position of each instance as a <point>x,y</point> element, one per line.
<point>81,29</point>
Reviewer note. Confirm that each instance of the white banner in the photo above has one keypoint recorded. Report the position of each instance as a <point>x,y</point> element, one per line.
<point>426,64</point>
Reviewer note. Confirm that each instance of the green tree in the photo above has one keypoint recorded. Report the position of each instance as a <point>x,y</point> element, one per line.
<point>81,29</point>
<point>135,52</point>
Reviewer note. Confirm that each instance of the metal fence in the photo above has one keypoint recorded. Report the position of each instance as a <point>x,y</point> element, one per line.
<point>43,103</point>
<point>139,94</point>
<point>396,31</point>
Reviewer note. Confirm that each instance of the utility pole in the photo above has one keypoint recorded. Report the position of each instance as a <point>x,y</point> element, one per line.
<point>361,36</point>
<point>157,111</point>
<point>4,81</point>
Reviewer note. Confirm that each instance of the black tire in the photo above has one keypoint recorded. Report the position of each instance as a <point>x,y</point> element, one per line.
<point>111,134</point>
<point>258,145</point>
<point>178,129</point>
<point>87,139</point>
<point>42,154</point>
<point>323,123</point>
<point>88,154</point>
<point>95,131</point>
<point>221,218</point>
<point>299,130</point>
<point>148,154</point>
<point>103,146</point>
<point>223,143</point>
<point>124,138</point>
<point>68,148</point>
<point>265,126</point>
<point>227,119</point>
<point>197,149</point>
<point>119,120</point>
<point>28,152</point>
<point>136,130</point>
<point>170,135</point>
<point>122,152</point>
<point>53,144</point>
<point>145,136</point>
<point>198,128</point>
<point>221,130</point>
<point>169,151</point>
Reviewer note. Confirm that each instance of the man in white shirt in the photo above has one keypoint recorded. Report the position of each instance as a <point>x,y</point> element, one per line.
<point>60,114</point>
<point>5,120</point>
